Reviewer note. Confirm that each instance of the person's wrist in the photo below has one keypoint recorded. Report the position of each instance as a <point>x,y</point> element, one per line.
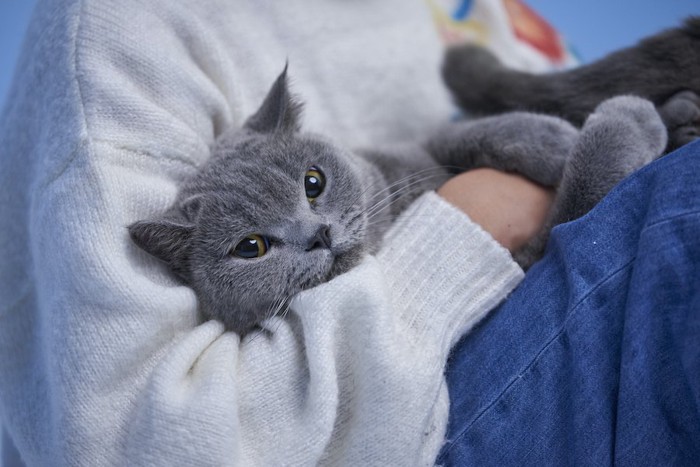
<point>509,207</point>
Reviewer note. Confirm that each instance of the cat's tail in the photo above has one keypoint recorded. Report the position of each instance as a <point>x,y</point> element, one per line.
<point>656,68</point>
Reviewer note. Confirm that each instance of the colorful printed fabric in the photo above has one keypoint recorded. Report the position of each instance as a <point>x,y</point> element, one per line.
<point>512,30</point>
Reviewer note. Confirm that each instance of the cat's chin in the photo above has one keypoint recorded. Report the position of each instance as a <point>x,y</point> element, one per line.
<point>338,264</point>
<point>344,262</point>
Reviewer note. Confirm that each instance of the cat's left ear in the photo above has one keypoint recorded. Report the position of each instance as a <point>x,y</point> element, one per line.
<point>279,112</point>
<point>166,238</point>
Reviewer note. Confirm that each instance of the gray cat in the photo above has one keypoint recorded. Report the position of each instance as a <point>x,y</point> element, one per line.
<point>664,68</point>
<point>276,211</point>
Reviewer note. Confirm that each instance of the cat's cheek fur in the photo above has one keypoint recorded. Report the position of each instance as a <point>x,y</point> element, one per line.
<point>315,267</point>
<point>222,309</point>
<point>242,293</point>
<point>346,261</point>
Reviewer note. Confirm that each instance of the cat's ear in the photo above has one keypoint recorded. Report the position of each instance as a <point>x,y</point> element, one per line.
<point>279,111</point>
<point>167,239</point>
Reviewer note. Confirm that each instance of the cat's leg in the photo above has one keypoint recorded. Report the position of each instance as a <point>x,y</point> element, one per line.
<point>655,68</point>
<point>532,145</point>
<point>681,114</point>
<point>623,134</point>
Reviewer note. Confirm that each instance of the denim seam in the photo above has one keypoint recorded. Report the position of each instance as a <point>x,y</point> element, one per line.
<point>544,348</point>
<point>672,218</point>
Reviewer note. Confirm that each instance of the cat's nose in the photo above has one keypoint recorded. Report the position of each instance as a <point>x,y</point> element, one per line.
<point>321,239</point>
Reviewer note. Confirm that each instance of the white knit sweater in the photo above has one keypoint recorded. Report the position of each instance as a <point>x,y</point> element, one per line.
<point>103,360</point>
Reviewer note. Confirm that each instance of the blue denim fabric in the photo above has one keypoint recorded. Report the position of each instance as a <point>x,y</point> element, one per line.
<point>595,359</point>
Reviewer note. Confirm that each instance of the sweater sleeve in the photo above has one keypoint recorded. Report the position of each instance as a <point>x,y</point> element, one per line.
<point>448,271</point>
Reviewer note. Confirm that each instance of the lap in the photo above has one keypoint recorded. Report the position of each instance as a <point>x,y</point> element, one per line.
<point>595,358</point>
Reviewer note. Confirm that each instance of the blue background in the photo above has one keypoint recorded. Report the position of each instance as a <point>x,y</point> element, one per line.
<point>596,27</point>
<point>592,27</point>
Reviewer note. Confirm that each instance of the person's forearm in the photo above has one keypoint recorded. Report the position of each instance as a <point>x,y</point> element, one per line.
<point>511,208</point>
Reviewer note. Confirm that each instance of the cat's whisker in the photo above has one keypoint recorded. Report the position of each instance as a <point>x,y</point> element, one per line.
<point>253,336</point>
<point>397,195</point>
<point>423,174</point>
<point>358,202</point>
<point>284,310</point>
<point>276,307</point>
<point>440,169</point>
<point>281,311</point>
<point>274,310</point>
<point>408,182</point>
<point>395,221</point>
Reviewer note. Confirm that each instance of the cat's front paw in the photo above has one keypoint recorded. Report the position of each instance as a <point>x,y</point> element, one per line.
<point>681,115</point>
<point>632,122</point>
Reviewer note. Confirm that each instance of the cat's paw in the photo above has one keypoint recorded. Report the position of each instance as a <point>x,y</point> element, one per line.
<point>533,145</point>
<point>681,115</point>
<point>630,122</point>
<point>623,134</point>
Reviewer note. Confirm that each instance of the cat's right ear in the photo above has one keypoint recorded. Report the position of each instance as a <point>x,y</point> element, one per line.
<point>279,112</point>
<point>167,239</point>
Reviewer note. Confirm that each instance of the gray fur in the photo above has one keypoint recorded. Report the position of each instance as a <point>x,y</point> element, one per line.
<point>623,134</point>
<point>658,68</point>
<point>254,184</point>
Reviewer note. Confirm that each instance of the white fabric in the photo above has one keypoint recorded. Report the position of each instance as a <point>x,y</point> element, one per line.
<point>102,358</point>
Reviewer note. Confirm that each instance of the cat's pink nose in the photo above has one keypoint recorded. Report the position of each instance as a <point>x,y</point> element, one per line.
<point>321,239</point>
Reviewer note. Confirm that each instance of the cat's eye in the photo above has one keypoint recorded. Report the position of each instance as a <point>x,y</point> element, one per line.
<point>314,183</point>
<point>253,246</point>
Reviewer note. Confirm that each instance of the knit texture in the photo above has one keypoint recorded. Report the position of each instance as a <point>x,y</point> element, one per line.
<point>103,359</point>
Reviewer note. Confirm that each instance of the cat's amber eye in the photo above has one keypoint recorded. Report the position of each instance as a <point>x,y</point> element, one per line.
<point>253,246</point>
<point>314,183</point>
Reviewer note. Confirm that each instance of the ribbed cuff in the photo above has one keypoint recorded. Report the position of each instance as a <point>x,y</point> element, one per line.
<point>445,272</point>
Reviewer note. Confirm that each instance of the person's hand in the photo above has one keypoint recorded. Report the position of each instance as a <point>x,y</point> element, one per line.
<point>511,208</point>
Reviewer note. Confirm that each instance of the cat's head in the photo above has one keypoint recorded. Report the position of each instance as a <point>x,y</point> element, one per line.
<point>273,212</point>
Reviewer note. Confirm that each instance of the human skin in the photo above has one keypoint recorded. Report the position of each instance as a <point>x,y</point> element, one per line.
<point>509,207</point>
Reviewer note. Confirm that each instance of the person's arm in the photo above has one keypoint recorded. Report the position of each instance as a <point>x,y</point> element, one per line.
<point>104,361</point>
<point>508,206</point>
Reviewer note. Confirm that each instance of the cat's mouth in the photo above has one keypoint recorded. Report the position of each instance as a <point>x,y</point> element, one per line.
<point>339,260</point>
<point>345,259</point>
